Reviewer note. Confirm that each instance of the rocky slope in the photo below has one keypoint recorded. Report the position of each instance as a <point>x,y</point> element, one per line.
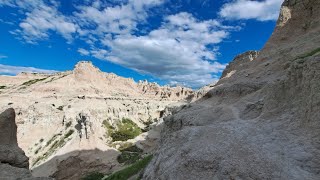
<point>13,161</point>
<point>261,120</point>
<point>77,117</point>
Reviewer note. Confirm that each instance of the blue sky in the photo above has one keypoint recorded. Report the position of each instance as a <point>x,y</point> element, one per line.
<point>184,42</point>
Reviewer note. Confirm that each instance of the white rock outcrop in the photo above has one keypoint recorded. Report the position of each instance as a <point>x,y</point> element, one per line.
<point>52,133</point>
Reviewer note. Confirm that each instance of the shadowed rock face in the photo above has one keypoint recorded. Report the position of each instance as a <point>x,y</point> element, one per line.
<point>13,162</point>
<point>259,122</point>
<point>10,152</point>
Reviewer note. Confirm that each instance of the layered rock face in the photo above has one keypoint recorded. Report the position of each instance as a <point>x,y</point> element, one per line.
<point>52,133</point>
<point>261,120</point>
<point>13,162</point>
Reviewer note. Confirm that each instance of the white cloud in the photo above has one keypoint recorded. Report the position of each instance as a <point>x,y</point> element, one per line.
<point>121,19</point>
<point>41,19</point>
<point>178,51</point>
<point>83,52</point>
<point>13,70</point>
<point>182,50</point>
<point>247,9</point>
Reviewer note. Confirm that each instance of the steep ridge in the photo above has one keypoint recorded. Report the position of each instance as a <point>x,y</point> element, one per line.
<point>81,115</point>
<point>261,120</point>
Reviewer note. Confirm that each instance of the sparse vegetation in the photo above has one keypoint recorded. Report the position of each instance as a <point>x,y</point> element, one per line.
<point>93,176</point>
<point>130,155</point>
<point>56,144</point>
<point>127,129</point>
<point>52,139</point>
<point>133,148</point>
<point>130,170</point>
<point>69,133</point>
<point>36,151</point>
<point>108,126</point>
<point>33,81</point>
<point>147,125</point>
<point>68,124</point>
<point>41,140</point>
<point>311,53</point>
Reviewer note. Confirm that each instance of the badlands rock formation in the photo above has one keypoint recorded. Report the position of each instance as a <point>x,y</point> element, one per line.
<point>65,119</point>
<point>13,162</point>
<point>261,120</point>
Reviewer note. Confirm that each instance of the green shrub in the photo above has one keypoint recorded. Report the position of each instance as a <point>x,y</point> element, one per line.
<point>130,170</point>
<point>52,139</point>
<point>93,176</point>
<point>3,87</point>
<point>129,154</point>
<point>68,124</point>
<point>36,152</point>
<point>30,82</point>
<point>311,53</point>
<point>56,144</point>
<point>69,133</point>
<point>128,157</point>
<point>133,148</point>
<point>127,129</point>
<point>108,126</point>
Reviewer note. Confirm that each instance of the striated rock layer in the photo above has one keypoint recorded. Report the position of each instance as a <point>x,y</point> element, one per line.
<point>261,120</point>
<point>54,135</point>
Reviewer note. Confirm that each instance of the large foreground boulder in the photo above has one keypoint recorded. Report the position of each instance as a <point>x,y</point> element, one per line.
<point>261,120</point>
<point>10,152</point>
<point>13,161</point>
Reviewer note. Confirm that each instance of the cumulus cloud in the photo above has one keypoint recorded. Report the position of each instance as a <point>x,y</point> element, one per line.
<point>182,50</point>
<point>13,70</point>
<point>121,19</point>
<point>41,19</point>
<point>247,9</point>
<point>178,51</point>
<point>83,52</point>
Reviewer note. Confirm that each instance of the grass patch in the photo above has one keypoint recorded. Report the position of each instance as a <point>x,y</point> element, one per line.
<point>36,152</point>
<point>93,176</point>
<point>52,139</point>
<point>69,133</point>
<point>29,83</point>
<point>55,145</point>
<point>127,129</point>
<point>108,126</point>
<point>133,148</point>
<point>130,170</point>
<point>129,155</point>
<point>3,87</point>
<point>147,125</point>
<point>311,53</point>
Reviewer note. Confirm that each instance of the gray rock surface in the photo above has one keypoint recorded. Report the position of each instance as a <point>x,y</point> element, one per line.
<point>13,162</point>
<point>259,122</point>
<point>10,152</point>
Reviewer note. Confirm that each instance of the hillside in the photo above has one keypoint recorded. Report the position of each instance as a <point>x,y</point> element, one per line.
<point>80,116</point>
<point>261,119</point>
